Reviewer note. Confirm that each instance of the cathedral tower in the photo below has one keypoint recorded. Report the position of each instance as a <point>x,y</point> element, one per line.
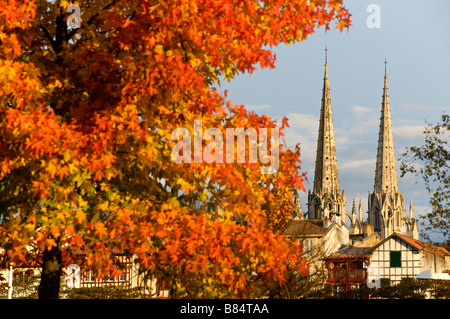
<point>386,204</point>
<point>326,200</point>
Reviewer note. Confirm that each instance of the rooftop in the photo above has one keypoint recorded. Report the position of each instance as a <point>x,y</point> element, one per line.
<point>305,228</point>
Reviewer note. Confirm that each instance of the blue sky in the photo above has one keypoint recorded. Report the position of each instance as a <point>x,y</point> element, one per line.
<point>414,37</point>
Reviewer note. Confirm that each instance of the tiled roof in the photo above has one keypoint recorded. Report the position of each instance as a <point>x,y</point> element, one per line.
<point>349,252</point>
<point>440,251</point>
<point>305,228</point>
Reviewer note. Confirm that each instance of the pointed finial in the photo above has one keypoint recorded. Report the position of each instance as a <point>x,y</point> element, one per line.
<point>360,208</point>
<point>411,209</point>
<point>326,55</point>
<point>385,66</point>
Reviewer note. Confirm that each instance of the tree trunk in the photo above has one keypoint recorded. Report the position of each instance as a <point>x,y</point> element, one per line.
<point>51,274</point>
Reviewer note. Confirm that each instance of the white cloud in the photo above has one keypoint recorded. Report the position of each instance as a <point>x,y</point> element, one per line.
<point>358,126</point>
<point>361,110</point>
<point>408,132</point>
<point>303,129</point>
<point>306,122</point>
<point>362,165</point>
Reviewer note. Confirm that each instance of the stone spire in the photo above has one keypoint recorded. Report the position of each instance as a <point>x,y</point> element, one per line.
<point>360,208</point>
<point>386,204</point>
<point>357,224</point>
<point>326,173</point>
<point>385,173</point>
<point>326,200</point>
<point>412,229</point>
<point>411,209</point>
<point>353,212</point>
<point>298,214</point>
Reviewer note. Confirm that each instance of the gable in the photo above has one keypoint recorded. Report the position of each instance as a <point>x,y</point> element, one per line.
<point>394,243</point>
<point>396,259</point>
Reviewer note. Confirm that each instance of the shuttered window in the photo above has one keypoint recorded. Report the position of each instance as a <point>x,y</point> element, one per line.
<point>395,259</point>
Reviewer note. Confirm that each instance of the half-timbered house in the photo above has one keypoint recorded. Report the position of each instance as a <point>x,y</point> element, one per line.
<point>399,256</point>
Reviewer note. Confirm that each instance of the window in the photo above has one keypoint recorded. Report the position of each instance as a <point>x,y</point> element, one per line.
<point>395,259</point>
<point>89,276</point>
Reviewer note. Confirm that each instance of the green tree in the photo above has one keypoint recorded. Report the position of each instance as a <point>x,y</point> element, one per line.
<point>431,161</point>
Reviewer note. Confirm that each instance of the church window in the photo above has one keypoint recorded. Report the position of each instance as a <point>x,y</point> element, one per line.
<point>377,219</point>
<point>395,259</point>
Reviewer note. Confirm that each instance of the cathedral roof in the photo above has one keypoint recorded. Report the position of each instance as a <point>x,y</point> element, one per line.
<point>305,228</point>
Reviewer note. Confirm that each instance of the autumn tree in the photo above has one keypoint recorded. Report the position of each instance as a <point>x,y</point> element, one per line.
<point>431,161</point>
<point>86,119</point>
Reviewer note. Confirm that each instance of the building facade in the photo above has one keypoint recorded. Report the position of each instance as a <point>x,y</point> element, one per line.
<point>400,256</point>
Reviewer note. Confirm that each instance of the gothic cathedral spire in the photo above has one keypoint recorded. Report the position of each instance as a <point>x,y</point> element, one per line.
<point>386,204</point>
<point>326,173</point>
<point>385,172</point>
<point>326,200</point>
